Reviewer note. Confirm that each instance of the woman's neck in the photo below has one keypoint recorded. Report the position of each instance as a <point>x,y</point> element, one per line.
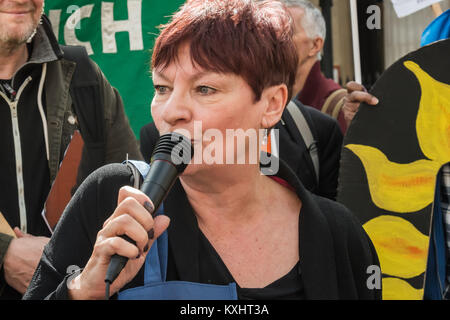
<point>233,198</point>
<point>225,191</point>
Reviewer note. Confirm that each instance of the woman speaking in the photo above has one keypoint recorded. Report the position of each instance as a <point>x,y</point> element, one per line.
<point>225,231</point>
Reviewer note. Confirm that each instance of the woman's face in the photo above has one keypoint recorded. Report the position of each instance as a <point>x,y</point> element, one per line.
<point>206,105</point>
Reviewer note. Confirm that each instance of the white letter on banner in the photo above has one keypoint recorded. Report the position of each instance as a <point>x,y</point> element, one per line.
<point>55,18</point>
<point>374,21</point>
<point>69,29</point>
<point>133,26</point>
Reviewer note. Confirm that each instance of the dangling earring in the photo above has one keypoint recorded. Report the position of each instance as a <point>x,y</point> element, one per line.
<point>265,137</point>
<point>265,141</point>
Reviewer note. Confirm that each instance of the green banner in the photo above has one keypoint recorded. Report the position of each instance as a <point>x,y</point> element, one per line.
<point>118,36</point>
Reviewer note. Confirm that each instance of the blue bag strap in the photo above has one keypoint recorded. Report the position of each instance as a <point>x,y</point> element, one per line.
<point>141,167</point>
<point>156,261</point>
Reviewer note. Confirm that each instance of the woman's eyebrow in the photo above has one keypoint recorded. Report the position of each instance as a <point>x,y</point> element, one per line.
<point>160,75</point>
<point>200,75</point>
<point>194,77</point>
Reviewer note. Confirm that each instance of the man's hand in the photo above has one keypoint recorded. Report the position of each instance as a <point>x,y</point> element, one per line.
<point>22,258</point>
<point>356,93</point>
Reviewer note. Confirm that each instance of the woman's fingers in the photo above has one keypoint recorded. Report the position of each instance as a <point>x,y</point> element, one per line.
<point>116,245</point>
<point>136,204</point>
<point>126,224</point>
<point>132,218</point>
<point>142,198</point>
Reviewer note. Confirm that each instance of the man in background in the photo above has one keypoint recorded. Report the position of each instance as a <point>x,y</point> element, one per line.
<point>40,109</point>
<point>312,88</point>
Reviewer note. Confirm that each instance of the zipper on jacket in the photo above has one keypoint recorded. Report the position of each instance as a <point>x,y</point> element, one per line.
<point>18,153</point>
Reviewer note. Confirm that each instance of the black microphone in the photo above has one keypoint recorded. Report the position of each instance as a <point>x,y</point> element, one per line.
<point>170,158</point>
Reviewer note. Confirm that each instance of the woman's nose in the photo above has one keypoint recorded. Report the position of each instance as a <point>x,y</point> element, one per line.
<point>177,109</point>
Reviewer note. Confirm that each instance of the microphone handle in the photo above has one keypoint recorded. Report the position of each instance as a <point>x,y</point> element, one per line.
<point>156,185</point>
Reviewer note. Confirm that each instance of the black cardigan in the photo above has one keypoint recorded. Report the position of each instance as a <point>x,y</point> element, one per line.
<point>335,252</point>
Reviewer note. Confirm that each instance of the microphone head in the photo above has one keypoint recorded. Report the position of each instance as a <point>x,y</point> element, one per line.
<point>174,148</point>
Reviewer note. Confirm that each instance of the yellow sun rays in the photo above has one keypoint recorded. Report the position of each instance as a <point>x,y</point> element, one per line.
<point>407,188</point>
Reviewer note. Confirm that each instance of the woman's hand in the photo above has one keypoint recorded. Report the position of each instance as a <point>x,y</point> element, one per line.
<point>132,217</point>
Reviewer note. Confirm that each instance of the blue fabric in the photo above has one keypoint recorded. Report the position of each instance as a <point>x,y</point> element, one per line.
<point>157,288</point>
<point>436,266</point>
<point>438,29</point>
<point>156,261</point>
<point>155,285</point>
<point>143,167</point>
<point>180,290</point>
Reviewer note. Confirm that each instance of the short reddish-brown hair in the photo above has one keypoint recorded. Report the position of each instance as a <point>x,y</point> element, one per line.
<point>248,38</point>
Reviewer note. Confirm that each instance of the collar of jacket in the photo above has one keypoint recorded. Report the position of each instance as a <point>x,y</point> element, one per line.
<point>45,45</point>
<point>45,49</point>
<point>57,85</point>
<point>317,260</point>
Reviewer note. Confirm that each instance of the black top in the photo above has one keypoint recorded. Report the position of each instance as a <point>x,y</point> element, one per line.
<point>335,252</point>
<point>290,286</point>
<point>35,168</point>
<point>211,268</point>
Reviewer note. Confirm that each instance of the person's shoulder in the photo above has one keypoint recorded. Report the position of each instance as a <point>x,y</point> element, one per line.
<point>107,178</point>
<point>318,118</point>
<point>325,128</point>
<point>330,208</point>
<point>342,222</point>
<point>347,231</point>
<point>149,137</point>
<point>149,130</point>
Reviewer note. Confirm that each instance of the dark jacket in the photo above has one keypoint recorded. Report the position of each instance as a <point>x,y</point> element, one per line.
<point>294,152</point>
<point>119,138</point>
<point>336,255</point>
<point>292,149</point>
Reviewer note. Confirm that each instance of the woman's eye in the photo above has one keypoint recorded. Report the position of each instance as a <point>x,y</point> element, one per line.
<point>204,90</point>
<point>161,89</point>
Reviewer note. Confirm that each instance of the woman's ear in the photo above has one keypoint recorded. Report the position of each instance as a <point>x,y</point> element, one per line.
<point>275,99</point>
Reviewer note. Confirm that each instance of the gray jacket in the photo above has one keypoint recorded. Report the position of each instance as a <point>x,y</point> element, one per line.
<point>60,116</point>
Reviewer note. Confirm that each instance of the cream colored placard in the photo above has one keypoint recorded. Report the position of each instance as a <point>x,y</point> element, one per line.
<point>5,227</point>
